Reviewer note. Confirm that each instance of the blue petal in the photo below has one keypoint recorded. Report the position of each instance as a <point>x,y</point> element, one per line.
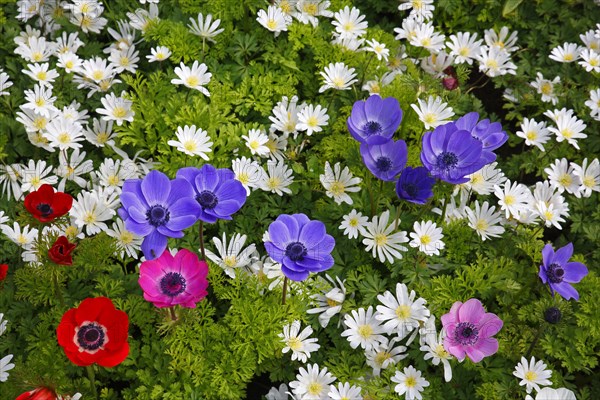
<point>294,275</point>
<point>311,234</point>
<point>207,179</point>
<point>274,252</point>
<point>153,245</point>
<point>279,234</point>
<point>156,187</point>
<point>180,188</point>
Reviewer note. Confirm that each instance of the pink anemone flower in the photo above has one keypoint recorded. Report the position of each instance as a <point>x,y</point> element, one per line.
<point>170,280</point>
<point>469,330</point>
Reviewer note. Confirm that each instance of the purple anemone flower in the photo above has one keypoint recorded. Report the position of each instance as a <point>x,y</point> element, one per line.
<point>415,185</point>
<point>559,273</point>
<point>469,330</point>
<point>217,191</point>
<point>156,207</point>
<point>386,160</point>
<point>489,133</point>
<point>375,120</point>
<point>450,153</point>
<point>301,245</point>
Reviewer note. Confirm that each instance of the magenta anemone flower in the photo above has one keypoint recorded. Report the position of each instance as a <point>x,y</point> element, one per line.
<point>469,330</point>
<point>170,280</point>
<point>559,273</point>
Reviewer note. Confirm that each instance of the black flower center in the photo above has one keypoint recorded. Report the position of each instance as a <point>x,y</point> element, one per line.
<point>91,336</point>
<point>553,315</point>
<point>466,333</point>
<point>383,164</point>
<point>207,199</point>
<point>296,251</point>
<point>411,189</point>
<point>555,273</point>
<point>172,284</point>
<point>44,209</point>
<point>447,160</point>
<point>157,215</point>
<point>372,128</point>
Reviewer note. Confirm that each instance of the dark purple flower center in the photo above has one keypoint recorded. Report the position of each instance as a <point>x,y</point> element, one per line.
<point>446,160</point>
<point>90,336</point>
<point>553,315</point>
<point>466,333</point>
<point>384,164</point>
<point>296,251</point>
<point>555,273</point>
<point>172,284</point>
<point>207,199</point>
<point>411,189</point>
<point>157,215</point>
<point>44,209</point>
<point>372,128</point>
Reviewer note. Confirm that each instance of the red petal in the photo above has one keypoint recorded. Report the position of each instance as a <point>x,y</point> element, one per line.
<point>116,357</point>
<point>92,309</point>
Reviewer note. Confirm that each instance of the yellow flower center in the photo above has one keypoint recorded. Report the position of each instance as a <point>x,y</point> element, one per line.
<point>311,9</point>
<point>314,388</point>
<point>192,81</point>
<point>126,237</point>
<point>40,102</point>
<point>337,188</point>
<point>271,24</point>
<point>40,123</point>
<point>64,138</point>
<point>509,200</point>
<point>403,312</point>
<point>119,112</point>
<point>89,217</point>
<point>425,239</point>
<point>254,144</point>
<point>568,57</point>
<point>71,232</point>
<point>380,239</point>
<point>98,75</point>
<point>35,181</point>
<point>441,352</point>
<point>567,133</point>
<point>102,137</point>
<point>530,376</point>
<point>463,51</point>
<point>69,64</point>
<point>37,56</point>
<point>113,180</point>
<point>429,118</point>
<point>124,61</point>
<point>410,382</point>
<point>338,83</point>
<point>491,63</point>
<point>21,239</point>
<point>42,75</point>
<point>426,42</point>
<point>532,135</point>
<point>332,303</point>
<point>294,343</point>
<point>312,121</point>
<point>365,331</point>
<point>273,183</point>
<point>382,357</point>
<point>243,177</point>
<point>348,26</point>
<point>190,145</point>
<point>565,180</point>
<point>230,261</point>
<point>588,181</point>
<point>482,225</point>
<point>546,88</point>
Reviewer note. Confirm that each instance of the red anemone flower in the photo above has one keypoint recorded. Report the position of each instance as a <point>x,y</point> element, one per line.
<point>94,332</point>
<point>46,205</point>
<point>3,271</point>
<point>60,252</point>
<point>40,393</point>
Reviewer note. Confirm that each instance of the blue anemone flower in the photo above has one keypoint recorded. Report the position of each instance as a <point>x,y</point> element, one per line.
<point>450,153</point>
<point>301,245</point>
<point>489,133</point>
<point>559,273</point>
<point>156,207</point>
<point>415,185</point>
<point>217,191</point>
<point>375,120</point>
<point>386,160</point>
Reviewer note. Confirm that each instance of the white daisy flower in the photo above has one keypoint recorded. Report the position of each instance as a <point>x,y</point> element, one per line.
<point>329,301</point>
<point>337,76</point>
<point>159,53</point>
<point>97,69</point>
<point>312,384</point>
<point>70,62</point>
<point>277,178</point>
<point>590,60</point>
<point>513,199</point>
<point>433,345</point>
<point>589,175</point>
<point>349,23</point>
<point>532,374</point>
<point>545,87</point>
<point>248,172</point>
<point>195,77</point>
<point>409,383</point>
<point>401,313</point>
<point>299,342</point>
<point>232,257</point>
<point>353,224</point>
<point>590,39</point>
<point>485,221</point>
<point>363,329</point>
<point>90,211</point>
<point>408,30</point>
<point>380,239</point>
<point>464,46</point>
<point>419,9</point>
<point>534,133</point>
<point>207,29</point>
<point>425,36</point>
<point>274,19</point>
<point>10,181</point>
<point>353,44</point>
<point>553,394</point>
<point>285,115</point>
<point>71,168</point>
<point>344,392</point>
<point>483,181</point>
<point>41,74</point>
<point>561,176</point>
<point>384,355</point>
<point>23,237</point>
<point>5,365</point>
<point>277,145</point>
<point>569,128</point>
<point>566,53</point>
<point>378,48</point>
<point>338,182</point>
<point>192,141</point>
<point>427,237</point>
<point>256,141</point>
<point>125,59</point>
<point>40,100</point>
<point>116,109</point>
<point>503,40</point>
<point>64,134</point>
<point>141,19</point>
<point>35,174</point>
<point>433,112</point>
<point>280,393</point>
<point>436,64</point>
<point>309,10</point>
<point>311,119</point>
<point>594,104</point>
<point>100,133</point>
<point>494,61</point>
<point>5,83</point>
<point>127,242</point>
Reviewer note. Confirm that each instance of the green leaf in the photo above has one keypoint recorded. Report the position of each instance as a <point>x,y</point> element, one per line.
<point>510,6</point>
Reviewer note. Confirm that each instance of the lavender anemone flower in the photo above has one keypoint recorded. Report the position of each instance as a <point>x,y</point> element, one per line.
<point>559,273</point>
<point>217,191</point>
<point>489,133</point>
<point>375,120</point>
<point>385,161</point>
<point>415,185</point>
<point>156,208</point>
<point>469,330</point>
<point>301,245</point>
<point>450,153</point>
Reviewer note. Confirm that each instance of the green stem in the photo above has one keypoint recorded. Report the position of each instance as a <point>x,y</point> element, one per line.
<point>443,219</point>
<point>536,338</point>
<point>172,312</point>
<point>202,253</point>
<point>284,295</point>
<point>92,377</point>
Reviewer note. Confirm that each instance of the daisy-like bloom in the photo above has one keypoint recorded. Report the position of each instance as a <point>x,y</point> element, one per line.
<point>427,237</point>
<point>425,36</point>
<point>159,53</point>
<point>280,393</point>
<point>41,74</point>
<point>5,366</point>
<point>23,237</point>
<point>501,40</point>
<point>312,383</point>
<point>385,161</point>
<point>40,100</point>
<point>248,172</point>
<point>513,199</point>
<point>589,175</point>
<point>590,60</point>
<point>125,59</point>
<point>469,330</point>
<point>433,112</point>
<point>311,119</point>
<point>348,44</point>
<point>2,323</point>
<point>432,344</point>
<point>100,133</point>
<point>116,109</point>
<point>127,242</point>
<point>378,48</point>
<point>274,19</point>
<point>559,273</point>
<point>485,221</point>
<point>385,354</point>
<point>338,182</point>
<point>337,76</point>
<point>562,177</point>
<point>277,178</point>
<point>553,394</point>
<point>194,78</point>
<point>534,133</point>
<point>35,49</point>
<point>309,10</point>
<point>344,392</point>
<point>410,383</point>
<point>329,302</point>
<point>10,180</point>
<point>178,279</point>
<point>112,174</point>
<point>464,46</point>
<point>349,23</point>
<point>374,121</point>
<point>277,145</point>
<point>437,64</point>
<point>97,69</point>
<point>591,39</point>
<point>566,53</point>
<point>402,312</point>
<point>64,134</point>
<point>192,141</point>
<point>207,29</point>
<point>285,115</point>
<point>545,87</point>
<point>549,205</point>
<point>415,185</point>
<point>569,128</point>
<point>5,83</point>
<point>232,257</point>
<point>35,174</point>
<point>141,19</point>
<point>353,224</point>
<point>70,62</point>
<point>483,181</point>
<point>419,9</point>
<point>256,141</point>
<point>216,191</point>
<point>299,342</point>
<point>380,239</point>
<point>363,329</point>
<point>594,104</point>
<point>288,7</point>
<point>301,245</point>
<point>90,211</point>
<point>555,114</point>
<point>532,374</point>
<point>494,61</point>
